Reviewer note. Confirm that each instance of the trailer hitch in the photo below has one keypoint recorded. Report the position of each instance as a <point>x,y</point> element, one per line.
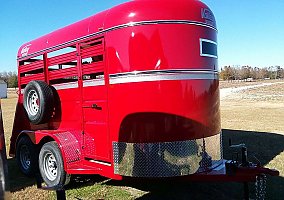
<point>248,169</point>
<point>234,166</point>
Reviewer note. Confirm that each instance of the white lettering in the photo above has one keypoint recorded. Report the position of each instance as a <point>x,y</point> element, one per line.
<point>25,50</point>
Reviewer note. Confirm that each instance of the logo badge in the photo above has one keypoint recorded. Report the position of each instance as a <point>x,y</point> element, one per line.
<point>25,50</point>
<point>208,16</point>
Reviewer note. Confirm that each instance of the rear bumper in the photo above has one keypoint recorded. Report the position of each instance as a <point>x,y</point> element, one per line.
<point>167,159</point>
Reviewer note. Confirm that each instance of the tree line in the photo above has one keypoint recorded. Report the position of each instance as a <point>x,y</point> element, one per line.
<point>248,72</point>
<point>11,78</point>
<point>226,73</point>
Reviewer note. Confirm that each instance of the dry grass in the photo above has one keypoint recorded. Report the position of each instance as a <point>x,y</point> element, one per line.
<point>8,109</point>
<point>254,116</point>
<point>270,93</point>
<point>256,109</point>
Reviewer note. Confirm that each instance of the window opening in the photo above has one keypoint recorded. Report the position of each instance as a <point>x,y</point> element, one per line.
<point>99,75</point>
<point>31,69</point>
<point>92,53</point>
<point>65,50</point>
<point>208,48</point>
<point>62,65</point>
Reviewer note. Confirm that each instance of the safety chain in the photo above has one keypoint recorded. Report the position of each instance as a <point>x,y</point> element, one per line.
<point>260,187</point>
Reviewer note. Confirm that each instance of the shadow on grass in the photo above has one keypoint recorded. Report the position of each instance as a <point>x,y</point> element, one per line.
<point>265,146</point>
<point>79,181</point>
<point>17,180</point>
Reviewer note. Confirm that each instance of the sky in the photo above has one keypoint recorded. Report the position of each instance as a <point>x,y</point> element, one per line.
<point>250,32</point>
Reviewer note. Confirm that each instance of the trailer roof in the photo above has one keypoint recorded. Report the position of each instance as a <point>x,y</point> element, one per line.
<point>128,14</point>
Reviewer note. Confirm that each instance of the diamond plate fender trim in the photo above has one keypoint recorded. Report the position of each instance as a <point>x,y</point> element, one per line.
<point>166,159</point>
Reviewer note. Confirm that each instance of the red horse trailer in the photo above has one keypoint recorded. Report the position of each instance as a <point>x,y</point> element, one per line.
<point>132,91</point>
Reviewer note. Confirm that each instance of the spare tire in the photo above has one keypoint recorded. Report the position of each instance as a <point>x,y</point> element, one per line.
<point>38,102</point>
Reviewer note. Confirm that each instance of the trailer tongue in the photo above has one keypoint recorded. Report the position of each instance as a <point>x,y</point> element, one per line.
<point>239,170</point>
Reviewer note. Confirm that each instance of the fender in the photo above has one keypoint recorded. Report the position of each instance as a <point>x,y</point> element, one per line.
<point>68,143</point>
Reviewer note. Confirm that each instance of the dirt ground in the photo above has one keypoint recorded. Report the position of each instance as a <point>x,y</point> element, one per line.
<point>253,116</point>
<point>241,83</point>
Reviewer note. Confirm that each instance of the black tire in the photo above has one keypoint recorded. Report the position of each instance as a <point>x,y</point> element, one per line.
<point>51,166</point>
<point>2,179</point>
<point>38,102</point>
<point>27,156</point>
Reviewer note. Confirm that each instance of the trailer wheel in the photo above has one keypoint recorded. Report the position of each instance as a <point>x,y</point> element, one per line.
<point>51,165</point>
<point>38,102</point>
<point>3,177</point>
<point>27,156</point>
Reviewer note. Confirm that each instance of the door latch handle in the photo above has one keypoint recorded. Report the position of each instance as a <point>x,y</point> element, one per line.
<point>95,106</point>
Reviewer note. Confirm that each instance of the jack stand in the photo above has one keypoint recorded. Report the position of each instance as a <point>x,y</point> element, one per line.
<point>60,191</point>
<point>61,194</point>
<point>246,191</point>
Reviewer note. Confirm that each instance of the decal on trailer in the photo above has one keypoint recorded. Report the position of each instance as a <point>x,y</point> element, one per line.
<point>25,50</point>
<point>208,16</point>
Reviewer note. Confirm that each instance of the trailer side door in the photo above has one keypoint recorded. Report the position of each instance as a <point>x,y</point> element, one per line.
<point>94,100</point>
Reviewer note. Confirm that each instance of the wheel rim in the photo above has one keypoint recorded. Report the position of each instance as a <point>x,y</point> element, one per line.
<point>33,102</point>
<point>25,157</point>
<point>50,166</point>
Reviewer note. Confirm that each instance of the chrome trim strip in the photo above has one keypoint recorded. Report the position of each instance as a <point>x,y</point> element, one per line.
<point>160,22</point>
<point>188,22</point>
<point>100,162</point>
<point>162,75</point>
<point>94,82</point>
<point>63,86</point>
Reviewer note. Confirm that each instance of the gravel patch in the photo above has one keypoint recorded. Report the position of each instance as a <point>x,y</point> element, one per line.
<point>226,92</point>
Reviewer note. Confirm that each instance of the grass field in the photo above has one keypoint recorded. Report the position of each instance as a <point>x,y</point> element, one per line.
<point>254,116</point>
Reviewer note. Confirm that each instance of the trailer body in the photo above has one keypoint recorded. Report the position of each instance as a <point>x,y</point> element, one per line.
<point>135,91</point>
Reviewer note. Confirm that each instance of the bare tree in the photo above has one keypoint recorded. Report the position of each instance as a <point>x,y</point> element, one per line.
<point>11,78</point>
<point>245,72</point>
